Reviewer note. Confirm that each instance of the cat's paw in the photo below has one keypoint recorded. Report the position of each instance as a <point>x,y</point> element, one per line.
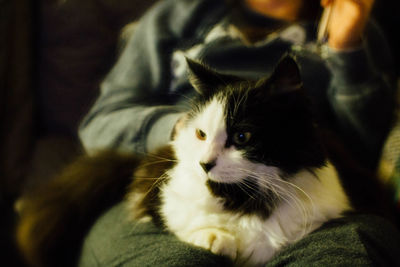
<point>217,241</point>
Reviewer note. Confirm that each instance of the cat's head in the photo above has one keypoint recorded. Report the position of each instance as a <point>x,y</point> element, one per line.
<point>242,131</point>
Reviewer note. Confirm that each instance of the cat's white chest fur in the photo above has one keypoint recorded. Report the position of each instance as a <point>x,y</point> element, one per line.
<point>306,200</point>
<point>199,218</point>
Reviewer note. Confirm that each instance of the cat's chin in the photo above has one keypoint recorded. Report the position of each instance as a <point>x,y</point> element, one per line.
<point>229,178</point>
<point>214,178</point>
<point>224,189</point>
<point>211,180</point>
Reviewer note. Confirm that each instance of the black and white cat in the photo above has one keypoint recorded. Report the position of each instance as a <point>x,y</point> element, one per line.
<point>245,175</point>
<point>251,175</point>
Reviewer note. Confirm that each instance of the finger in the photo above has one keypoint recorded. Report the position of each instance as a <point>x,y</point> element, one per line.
<point>363,5</point>
<point>325,3</point>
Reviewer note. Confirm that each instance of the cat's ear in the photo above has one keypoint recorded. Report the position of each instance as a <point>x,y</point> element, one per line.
<point>206,80</point>
<point>286,76</point>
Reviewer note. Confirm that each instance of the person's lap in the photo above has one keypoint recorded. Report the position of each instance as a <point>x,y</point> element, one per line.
<point>353,240</point>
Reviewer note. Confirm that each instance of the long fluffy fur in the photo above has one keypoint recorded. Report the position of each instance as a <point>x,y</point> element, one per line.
<point>55,216</point>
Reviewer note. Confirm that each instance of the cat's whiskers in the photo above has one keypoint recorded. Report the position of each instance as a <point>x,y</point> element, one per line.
<point>236,105</point>
<point>157,183</point>
<point>300,204</point>
<point>241,183</point>
<point>273,178</point>
<point>157,162</point>
<point>284,193</point>
<point>257,177</point>
<point>279,192</point>
<point>286,190</point>
<point>299,189</point>
<point>238,102</point>
<point>145,178</point>
<point>292,199</point>
<point>190,101</point>
<point>254,186</point>
<point>159,157</point>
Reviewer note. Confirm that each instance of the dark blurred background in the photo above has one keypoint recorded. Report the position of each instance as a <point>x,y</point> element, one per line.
<point>53,54</point>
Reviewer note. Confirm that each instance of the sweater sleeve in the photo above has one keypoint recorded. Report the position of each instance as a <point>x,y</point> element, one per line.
<point>362,95</point>
<point>135,110</point>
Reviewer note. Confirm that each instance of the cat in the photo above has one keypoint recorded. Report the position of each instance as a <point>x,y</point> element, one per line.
<point>254,173</point>
<point>245,175</point>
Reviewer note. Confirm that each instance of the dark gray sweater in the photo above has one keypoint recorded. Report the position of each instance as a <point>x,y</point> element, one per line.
<point>355,240</point>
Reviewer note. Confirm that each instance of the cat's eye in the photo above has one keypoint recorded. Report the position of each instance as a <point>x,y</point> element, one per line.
<point>241,138</point>
<point>201,135</point>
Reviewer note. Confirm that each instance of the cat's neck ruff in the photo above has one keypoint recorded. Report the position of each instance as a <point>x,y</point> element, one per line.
<point>312,198</point>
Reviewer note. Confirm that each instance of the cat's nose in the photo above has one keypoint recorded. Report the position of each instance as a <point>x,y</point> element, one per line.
<point>207,166</point>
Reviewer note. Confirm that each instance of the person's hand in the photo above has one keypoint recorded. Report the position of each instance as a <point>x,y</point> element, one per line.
<point>347,22</point>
